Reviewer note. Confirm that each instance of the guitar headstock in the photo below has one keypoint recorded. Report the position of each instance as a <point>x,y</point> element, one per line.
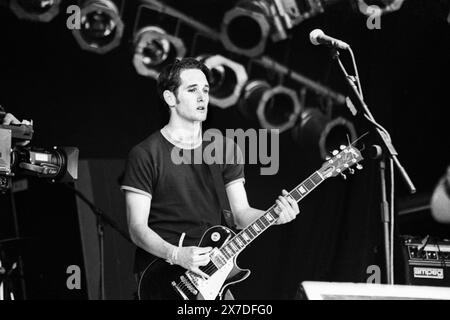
<point>341,161</point>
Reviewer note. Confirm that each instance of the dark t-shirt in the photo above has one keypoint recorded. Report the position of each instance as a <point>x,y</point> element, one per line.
<point>183,196</point>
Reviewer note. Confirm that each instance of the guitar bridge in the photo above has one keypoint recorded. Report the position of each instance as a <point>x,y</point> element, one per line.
<point>177,289</point>
<point>184,285</point>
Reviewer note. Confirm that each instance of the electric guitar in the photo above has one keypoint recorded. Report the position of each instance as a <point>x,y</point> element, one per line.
<point>162,281</point>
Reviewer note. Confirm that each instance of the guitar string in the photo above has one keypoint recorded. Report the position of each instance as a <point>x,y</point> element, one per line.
<point>182,285</point>
<point>212,266</point>
<point>269,211</point>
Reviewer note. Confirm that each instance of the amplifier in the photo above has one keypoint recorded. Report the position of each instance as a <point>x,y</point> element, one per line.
<point>428,261</point>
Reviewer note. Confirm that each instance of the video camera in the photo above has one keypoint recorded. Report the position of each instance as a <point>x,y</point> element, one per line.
<point>57,165</point>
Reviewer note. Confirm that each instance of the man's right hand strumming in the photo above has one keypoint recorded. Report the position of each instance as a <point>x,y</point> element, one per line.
<point>191,258</point>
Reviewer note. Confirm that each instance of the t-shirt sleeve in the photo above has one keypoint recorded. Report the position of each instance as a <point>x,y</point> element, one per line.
<point>139,173</point>
<point>233,170</point>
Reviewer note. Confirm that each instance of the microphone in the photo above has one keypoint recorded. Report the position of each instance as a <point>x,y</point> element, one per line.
<point>317,37</point>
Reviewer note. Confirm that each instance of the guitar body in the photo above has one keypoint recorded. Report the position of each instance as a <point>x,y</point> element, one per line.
<point>162,281</point>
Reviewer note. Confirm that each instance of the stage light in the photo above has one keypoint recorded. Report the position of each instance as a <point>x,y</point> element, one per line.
<point>378,7</point>
<point>316,130</point>
<point>227,80</point>
<point>274,107</point>
<point>35,10</point>
<point>153,48</point>
<point>246,27</point>
<point>101,26</point>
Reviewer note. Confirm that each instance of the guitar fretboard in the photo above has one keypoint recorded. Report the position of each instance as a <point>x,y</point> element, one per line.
<point>247,235</point>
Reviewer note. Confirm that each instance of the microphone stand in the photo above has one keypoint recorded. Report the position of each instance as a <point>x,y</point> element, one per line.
<point>20,264</point>
<point>102,219</point>
<point>386,152</point>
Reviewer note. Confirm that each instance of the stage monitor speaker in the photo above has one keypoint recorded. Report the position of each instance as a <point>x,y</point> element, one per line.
<point>316,290</point>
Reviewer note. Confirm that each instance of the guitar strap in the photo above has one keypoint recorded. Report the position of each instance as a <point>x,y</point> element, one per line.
<point>219,185</point>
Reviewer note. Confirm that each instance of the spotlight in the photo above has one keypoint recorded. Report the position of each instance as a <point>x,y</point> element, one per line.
<point>246,27</point>
<point>378,7</point>
<point>154,48</point>
<point>274,107</point>
<point>316,130</point>
<point>35,10</point>
<point>101,27</point>
<point>227,80</point>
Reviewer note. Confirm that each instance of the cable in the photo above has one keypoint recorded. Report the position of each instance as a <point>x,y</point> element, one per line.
<point>356,72</point>
<point>379,126</point>
<point>101,219</point>
<point>390,245</point>
<point>443,263</point>
<point>391,213</point>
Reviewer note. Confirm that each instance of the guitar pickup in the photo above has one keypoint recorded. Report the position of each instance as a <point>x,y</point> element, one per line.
<point>217,258</point>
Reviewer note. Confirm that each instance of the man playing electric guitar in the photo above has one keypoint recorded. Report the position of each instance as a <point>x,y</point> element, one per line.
<point>170,206</point>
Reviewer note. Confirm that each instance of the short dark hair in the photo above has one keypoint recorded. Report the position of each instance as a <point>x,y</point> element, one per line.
<point>169,78</point>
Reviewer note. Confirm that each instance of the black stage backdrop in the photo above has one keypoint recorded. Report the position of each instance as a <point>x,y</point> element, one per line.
<point>101,105</point>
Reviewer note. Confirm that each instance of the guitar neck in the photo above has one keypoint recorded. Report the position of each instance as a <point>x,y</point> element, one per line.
<point>252,231</point>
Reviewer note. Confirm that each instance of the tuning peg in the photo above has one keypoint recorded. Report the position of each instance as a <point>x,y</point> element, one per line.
<point>351,171</point>
<point>327,158</point>
<point>342,147</point>
<point>335,152</point>
<point>359,167</point>
<point>344,176</point>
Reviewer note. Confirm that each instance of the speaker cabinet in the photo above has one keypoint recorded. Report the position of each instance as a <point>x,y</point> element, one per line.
<point>427,261</point>
<point>98,181</point>
<point>59,231</point>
